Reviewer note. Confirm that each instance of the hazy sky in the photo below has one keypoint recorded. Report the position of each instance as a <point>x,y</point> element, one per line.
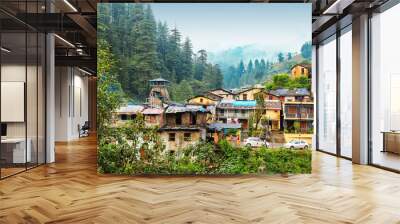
<point>214,27</point>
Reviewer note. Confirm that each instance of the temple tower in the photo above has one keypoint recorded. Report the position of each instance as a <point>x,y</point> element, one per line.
<point>158,92</point>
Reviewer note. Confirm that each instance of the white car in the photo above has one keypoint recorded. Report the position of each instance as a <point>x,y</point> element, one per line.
<point>255,142</point>
<point>296,144</point>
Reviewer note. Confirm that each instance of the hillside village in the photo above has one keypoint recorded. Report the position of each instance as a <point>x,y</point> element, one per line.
<point>277,116</point>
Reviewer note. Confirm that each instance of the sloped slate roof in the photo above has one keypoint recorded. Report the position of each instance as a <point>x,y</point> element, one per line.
<point>249,89</point>
<point>130,109</point>
<point>308,66</point>
<point>221,126</point>
<point>213,96</point>
<point>208,96</point>
<point>158,80</point>
<point>288,92</point>
<point>225,90</point>
<point>187,108</point>
<point>181,128</point>
<point>150,111</point>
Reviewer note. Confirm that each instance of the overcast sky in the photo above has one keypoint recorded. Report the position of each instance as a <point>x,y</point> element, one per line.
<point>215,27</point>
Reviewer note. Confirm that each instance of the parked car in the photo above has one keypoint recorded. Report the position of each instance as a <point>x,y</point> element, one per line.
<point>255,142</point>
<point>297,144</point>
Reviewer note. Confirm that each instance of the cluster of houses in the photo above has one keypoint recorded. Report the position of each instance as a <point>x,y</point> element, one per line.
<point>222,113</point>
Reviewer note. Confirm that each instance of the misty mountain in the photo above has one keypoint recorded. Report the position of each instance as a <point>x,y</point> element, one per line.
<point>233,56</point>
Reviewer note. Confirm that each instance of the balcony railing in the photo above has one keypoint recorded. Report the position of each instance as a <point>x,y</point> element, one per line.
<point>299,116</point>
<point>233,115</point>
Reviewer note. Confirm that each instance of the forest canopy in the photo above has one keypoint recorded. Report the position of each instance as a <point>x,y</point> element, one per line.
<point>146,49</point>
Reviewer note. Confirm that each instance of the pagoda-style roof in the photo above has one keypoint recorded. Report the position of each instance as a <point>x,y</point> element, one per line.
<point>158,80</point>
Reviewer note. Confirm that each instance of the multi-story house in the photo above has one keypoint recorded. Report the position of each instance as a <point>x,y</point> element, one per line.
<point>273,114</point>
<point>183,125</point>
<point>301,112</point>
<point>249,94</point>
<point>225,94</point>
<point>298,110</point>
<point>204,99</point>
<point>126,113</point>
<point>235,111</point>
<point>153,117</point>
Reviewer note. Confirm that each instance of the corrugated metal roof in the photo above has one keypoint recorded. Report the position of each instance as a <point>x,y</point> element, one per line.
<point>239,104</point>
<point>244,103</point>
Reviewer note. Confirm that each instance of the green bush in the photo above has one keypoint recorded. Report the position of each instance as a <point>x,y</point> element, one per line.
<point>287,161</point>
<point>122,153</point>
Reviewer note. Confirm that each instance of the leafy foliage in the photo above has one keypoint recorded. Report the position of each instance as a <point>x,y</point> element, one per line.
<point>134,149</point>
<point>133,48</point>
<point>287,82</point>
<point>109,94</point>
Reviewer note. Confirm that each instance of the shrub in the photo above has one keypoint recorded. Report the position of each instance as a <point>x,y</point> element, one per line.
<point>120,153</point>
<point>287,161</point>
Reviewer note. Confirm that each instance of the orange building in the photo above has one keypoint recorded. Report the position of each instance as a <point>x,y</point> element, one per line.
<point>300,70</point>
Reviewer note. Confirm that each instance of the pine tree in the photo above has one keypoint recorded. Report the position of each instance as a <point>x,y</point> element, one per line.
<point>250,69</point>
<point>289,56</point>
<point>162,48</point>
<point>173,54</point>
<point>263,65</point>
<point>281,58</point>
<point>187,60</point>
<point>218,77</point>
<point>241,69</point>
<point>201,65</point>
<point>182,91</point>
<point>306,50</point>
<point>144,62</point>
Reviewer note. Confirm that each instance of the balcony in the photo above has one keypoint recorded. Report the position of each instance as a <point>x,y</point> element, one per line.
<point>302,116</point>
<point>233,115</point>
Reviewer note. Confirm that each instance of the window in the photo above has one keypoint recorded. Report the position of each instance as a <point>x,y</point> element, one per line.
<point>244,96</point>
<point>346,94</point>
<point>201,100</point>
<point>22,65</point>
<point>187,137</point>
<point>133,116</point>
<point>292,110</point>
<point>124,117</point>
<point>302,71</point>
<point>326,104</point>
<point>151,119</point>
<point>171,137</point>
<point>178,118</point>
<point>385,89</point>
<point>193,119</point>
